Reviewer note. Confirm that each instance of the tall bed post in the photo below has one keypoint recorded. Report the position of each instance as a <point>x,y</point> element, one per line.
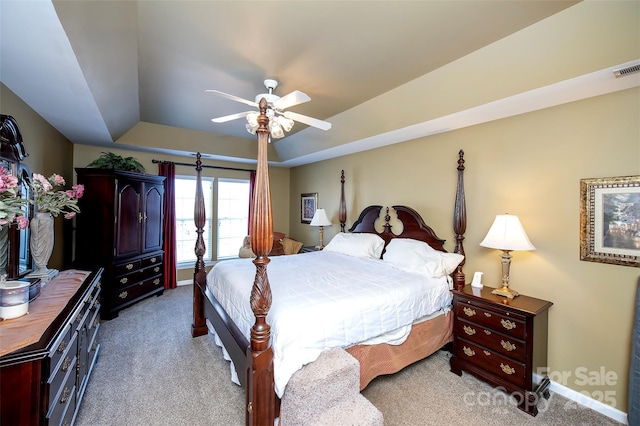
<point>199,326</point>
<point>342,209</point>
<point>460,222</point>
<point>261,396</point>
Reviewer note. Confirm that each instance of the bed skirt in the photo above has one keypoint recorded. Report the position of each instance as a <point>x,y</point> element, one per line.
<point>425,338</point>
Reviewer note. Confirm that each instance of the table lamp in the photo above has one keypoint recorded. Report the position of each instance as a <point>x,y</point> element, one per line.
<point>506,234</point>
<point>320,219</point>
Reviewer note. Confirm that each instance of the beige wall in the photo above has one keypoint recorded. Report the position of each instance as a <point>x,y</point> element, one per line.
<point>49,152</point>
<point>529,165</point>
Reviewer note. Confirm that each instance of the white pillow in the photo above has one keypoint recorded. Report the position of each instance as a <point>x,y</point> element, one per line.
<point>418,256</point>
<point>450,261</point>
<point>358,244</point>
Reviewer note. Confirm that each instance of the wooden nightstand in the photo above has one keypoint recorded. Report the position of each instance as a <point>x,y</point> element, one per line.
<point>309,249</point>
<point>503,342</point>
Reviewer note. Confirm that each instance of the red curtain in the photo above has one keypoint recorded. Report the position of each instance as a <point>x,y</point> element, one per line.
<point>252,186</point>
<point>168,170</point>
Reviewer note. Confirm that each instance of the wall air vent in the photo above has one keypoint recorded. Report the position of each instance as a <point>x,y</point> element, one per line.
<point>626,71</point>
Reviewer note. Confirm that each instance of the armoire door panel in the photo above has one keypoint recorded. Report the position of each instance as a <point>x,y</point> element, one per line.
<point>128,219</point>
<point>152,230</point>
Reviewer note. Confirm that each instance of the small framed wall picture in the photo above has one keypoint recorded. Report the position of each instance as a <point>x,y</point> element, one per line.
<point>308,205</point>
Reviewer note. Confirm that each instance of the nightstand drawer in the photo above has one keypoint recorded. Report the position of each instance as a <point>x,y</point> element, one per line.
<point>498,365</point>
<point>503,344</point>
<point>507,323</point>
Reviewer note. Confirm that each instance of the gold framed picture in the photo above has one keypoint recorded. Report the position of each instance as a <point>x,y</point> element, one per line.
<point>610,220</point>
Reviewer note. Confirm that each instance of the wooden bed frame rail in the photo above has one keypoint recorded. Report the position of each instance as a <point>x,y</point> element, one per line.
<point>253,358</point>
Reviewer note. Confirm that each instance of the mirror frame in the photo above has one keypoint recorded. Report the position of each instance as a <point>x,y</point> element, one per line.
<point>12,152</point>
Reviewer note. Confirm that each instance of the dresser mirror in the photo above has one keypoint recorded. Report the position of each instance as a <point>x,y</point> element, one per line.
<point>15,254</point>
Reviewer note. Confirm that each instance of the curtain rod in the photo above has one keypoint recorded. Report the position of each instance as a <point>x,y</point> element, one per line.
<point>154,161</point>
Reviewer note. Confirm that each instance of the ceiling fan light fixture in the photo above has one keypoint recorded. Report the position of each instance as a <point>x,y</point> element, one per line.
<point>252,122</point>
<point>276,130</point>
<point>286,123</point>
<point>251,129</point>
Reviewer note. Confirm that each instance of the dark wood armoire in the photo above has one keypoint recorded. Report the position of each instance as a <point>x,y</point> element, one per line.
<point>120,229</point>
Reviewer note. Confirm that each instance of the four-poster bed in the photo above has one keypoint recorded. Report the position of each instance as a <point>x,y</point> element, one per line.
<point>252,355</point>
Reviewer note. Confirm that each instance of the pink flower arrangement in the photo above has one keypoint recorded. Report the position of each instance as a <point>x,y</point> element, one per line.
<point>46,199</point>
<point>11,204</point>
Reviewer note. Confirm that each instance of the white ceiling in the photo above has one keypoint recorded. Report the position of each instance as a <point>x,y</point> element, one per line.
<point>95,69</point>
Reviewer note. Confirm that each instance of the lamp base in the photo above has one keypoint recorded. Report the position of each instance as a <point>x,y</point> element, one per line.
<point>505,292</point>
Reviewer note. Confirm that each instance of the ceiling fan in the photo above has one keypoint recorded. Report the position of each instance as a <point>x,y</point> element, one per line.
<point>280,121</point>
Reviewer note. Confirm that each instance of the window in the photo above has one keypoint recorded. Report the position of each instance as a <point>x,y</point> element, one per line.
<point>233,216</point>
<point>226,205</point>
<point>185,227</point>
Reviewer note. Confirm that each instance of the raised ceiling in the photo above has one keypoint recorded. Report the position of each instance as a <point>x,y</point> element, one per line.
<point>96,69</point>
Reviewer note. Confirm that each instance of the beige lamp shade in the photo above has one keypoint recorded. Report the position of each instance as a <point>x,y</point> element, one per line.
<point>507,233</point>
<point>320,218</point>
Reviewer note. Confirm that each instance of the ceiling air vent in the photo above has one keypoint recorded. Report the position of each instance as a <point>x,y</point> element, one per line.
<point>626,71</point>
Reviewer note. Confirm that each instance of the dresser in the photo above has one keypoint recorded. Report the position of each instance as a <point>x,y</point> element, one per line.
<point>121,230</point>
<point>47,356</point>
<point>503,342</point>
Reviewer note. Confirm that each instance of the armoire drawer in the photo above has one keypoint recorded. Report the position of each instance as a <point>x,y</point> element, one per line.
<point>128,294</point>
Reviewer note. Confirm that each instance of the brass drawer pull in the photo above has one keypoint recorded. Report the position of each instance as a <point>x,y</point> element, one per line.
<point>156,269</point>
<point>123,295</point>
<point>65,396</point>
<point>469,330</point>
<point>509,325</point>
<point>487,314</point>
<point>487,332</point>
<point>468,351</point>
<point>129,266</point>
<point>507,369</point>
<point>508,345</point>
<point>153,260</point>
<point>468,311</point>
<point>486,352</point>
<point>62,347</point>
<point>124,280</point>
<point>66,364</point>
<point>94,346</point>
<point>156,281</point>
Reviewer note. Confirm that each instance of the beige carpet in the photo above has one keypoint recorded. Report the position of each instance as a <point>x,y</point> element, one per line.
<point>151,372</point>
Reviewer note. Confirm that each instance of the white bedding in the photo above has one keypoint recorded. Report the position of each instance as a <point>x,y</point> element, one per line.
<point>323,300</point>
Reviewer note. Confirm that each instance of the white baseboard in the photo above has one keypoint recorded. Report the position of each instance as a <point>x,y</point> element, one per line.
<point>184,282</point>
<point>595,405</point>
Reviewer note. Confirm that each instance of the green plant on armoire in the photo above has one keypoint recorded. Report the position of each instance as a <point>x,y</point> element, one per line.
<point>109,160</point>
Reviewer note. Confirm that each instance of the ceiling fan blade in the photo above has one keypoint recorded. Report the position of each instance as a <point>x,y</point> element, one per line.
<point>324,125</point>
<point>231,117</point>
<point>294,98</point>
<point>233,98</point>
